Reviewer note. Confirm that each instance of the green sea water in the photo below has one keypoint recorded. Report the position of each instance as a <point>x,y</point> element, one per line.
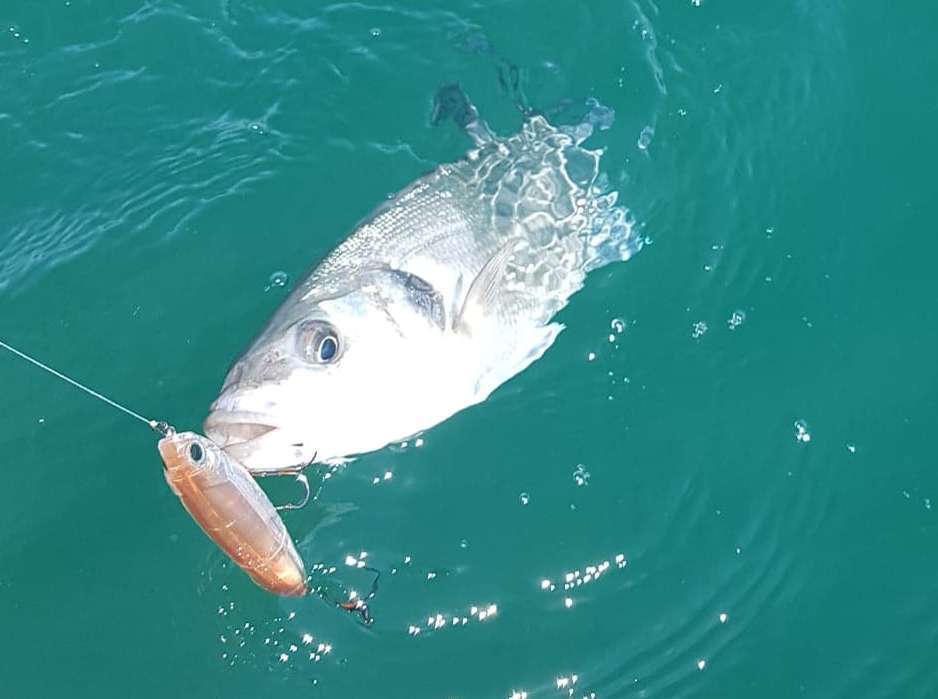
<point>736,430</point>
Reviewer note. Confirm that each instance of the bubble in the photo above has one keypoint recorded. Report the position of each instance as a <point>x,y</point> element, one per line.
<point>737,319</point>
<point>277,280</point>
<point>644,138</point>
<point>464,544</point>
<point>581,476</point>
<point>617,324</point>
<point>524,498</point>
<point>375,32</point>
<point>700,327</point>
<point>801,431</point>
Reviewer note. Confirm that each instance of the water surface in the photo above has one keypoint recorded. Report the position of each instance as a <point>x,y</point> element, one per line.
<point>736,430</point>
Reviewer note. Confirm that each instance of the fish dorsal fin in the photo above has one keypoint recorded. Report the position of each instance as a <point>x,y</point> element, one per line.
<point>484,290</point>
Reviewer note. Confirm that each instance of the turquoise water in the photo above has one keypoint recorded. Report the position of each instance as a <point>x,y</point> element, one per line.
<point>748,457</point>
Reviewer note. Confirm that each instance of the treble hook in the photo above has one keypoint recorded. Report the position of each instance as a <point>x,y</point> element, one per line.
<point>359,605</point>
<point>300,477</point>
<point>361,608</point>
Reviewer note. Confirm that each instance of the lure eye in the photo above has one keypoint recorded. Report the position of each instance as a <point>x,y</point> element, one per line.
<point>318,342</point>
<point>196,452</point>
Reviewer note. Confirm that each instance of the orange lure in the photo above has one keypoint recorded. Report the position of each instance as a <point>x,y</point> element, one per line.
<point>231,508</point>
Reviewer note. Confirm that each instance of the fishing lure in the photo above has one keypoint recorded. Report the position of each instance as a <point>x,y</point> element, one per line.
<point>231,508</point>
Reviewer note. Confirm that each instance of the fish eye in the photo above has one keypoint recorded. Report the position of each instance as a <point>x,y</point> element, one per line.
<point>327,348</point>
<point>196,453</point>
<point>318,342</point>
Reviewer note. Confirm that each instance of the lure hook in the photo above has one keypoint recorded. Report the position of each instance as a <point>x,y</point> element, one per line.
<point>359,605</point>
<point>301,478</point>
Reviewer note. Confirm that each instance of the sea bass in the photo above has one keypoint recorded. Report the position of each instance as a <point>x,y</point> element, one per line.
<point>444,293</point>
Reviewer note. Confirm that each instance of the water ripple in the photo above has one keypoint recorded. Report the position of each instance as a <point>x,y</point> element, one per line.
<point>118,186</point>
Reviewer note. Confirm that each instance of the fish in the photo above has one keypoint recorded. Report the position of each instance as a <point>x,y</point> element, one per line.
<point>232,509</point>
<point>437,298</point>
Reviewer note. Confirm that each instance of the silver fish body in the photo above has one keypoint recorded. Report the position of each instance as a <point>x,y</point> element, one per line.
<point>440,296</point>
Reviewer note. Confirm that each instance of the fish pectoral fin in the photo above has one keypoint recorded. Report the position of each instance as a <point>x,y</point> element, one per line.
<point>485,289</point>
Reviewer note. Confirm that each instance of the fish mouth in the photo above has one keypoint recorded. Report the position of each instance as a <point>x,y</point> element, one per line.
<point>227,428</point>
<point>260,446</point>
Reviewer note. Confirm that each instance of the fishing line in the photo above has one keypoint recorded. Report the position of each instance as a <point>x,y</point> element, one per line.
<point>160,427</point>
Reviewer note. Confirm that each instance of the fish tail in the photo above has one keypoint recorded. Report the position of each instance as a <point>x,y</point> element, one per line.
<point>450,102</point>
